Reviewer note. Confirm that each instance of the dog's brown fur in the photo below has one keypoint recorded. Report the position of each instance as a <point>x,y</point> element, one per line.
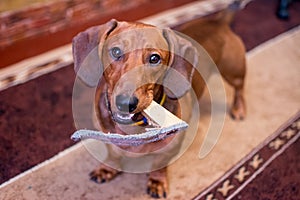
<point>215,35</point>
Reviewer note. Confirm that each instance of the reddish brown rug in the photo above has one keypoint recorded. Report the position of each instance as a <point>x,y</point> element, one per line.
<point>270,171</point>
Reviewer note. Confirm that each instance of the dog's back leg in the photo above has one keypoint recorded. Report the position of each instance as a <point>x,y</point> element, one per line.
<point>233,68</point>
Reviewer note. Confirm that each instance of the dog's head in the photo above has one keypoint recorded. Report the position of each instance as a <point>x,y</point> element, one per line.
<point>137,62</point>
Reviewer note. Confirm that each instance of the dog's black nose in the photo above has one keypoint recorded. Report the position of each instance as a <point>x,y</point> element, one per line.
<point>126,103</point>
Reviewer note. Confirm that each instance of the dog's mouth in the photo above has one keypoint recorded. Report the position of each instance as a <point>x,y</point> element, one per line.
<point>123,118</point>
<point>127,118</point>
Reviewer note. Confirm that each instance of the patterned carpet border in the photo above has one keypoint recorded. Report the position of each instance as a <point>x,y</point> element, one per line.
<point>237,178</point>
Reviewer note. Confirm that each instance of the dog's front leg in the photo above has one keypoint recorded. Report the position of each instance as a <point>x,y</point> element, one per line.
<point>103,174</point>
<point>157,185</point>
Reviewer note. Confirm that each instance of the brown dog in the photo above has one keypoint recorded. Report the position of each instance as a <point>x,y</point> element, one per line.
<point>132,56</point>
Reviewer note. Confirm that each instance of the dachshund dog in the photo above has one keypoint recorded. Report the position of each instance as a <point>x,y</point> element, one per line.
<point>128,71</point>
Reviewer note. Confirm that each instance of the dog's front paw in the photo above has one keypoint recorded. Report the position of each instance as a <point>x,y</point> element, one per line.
<point>103,174</point>
<point>158,184</point>
<point>157,188</point>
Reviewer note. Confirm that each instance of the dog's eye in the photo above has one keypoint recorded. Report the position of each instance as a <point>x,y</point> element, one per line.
<point>154,59</point>
<point>116,53</point>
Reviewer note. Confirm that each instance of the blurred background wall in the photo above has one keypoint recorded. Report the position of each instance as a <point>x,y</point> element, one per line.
<point>53,23</point>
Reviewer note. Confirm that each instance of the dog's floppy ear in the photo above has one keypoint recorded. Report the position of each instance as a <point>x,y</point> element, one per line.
<point>183,60</point>
<point>87,64</point>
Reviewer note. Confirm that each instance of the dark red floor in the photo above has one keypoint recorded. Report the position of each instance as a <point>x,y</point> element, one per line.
<point>258,22</point>
<point>36,117</point>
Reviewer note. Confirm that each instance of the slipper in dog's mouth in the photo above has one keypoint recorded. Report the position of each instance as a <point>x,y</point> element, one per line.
<point>168,124</point>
